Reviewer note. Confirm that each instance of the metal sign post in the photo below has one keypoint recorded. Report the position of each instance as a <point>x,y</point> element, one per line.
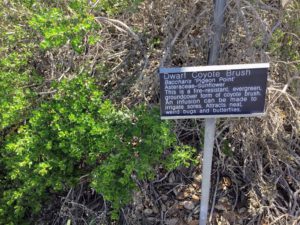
<point>210,124</point>
<point>210,92</point>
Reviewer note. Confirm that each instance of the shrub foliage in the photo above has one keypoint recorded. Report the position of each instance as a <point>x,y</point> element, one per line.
<point>48,142</point>
<point>74,134</point>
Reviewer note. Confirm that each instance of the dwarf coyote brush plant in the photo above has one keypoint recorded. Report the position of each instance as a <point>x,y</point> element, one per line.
<point>75,134</point>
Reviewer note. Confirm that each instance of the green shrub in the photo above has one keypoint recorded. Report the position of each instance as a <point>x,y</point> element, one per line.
<point>15,72</point>
<point>27,25</point>
<point>59,27</point>
<point>72,22</point>
<point>284,44</point>
<point>74,134</point>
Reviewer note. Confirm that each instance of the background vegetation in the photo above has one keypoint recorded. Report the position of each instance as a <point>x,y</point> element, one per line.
<point>81,141</point>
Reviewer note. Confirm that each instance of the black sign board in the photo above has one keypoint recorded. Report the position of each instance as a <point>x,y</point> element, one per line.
<point>213,91</point>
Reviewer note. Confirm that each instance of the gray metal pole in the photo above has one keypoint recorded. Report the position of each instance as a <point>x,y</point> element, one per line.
<point>217,28</point>
<point>209,137</point>
<point>210,124</point>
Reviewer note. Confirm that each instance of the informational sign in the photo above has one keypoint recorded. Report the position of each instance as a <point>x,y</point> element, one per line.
<point>213,91</point>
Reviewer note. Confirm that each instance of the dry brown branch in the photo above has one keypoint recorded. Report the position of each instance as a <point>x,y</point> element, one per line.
<point>119,25</point>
